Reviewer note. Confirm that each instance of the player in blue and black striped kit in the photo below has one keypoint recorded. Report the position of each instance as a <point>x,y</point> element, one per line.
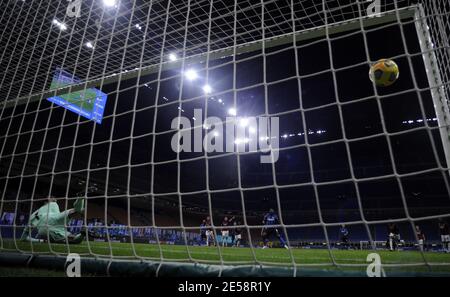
<point>271,219</point>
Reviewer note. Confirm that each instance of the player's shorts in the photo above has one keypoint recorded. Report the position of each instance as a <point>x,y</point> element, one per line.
<point>445,238</point>
<point>225,233</point>
<point>238,236</point>
<point>420,241</point>
<point>209,233</point>
<point>270,231</point>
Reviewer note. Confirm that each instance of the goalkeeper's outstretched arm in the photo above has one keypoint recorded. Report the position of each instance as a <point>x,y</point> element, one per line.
<point>26,234</point>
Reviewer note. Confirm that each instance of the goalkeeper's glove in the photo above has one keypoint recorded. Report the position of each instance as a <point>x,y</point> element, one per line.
<point>78,205</point>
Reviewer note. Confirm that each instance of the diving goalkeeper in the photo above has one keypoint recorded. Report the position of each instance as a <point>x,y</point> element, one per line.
<point>50,223</point>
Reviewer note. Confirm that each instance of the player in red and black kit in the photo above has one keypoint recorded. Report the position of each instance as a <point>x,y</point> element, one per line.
<point>420,237</point>
<point>394,236</point>
<point>237,232</point>
<point>225,230</point>
<point>445,235</point>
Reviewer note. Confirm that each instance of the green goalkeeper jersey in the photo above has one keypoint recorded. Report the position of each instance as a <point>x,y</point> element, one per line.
<point>49,221</point>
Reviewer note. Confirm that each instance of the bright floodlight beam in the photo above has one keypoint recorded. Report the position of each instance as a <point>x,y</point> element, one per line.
<point>207,89</point>
<point>172,57</point>
<point>60,25</point>
<point>243,122</point>
<point>109,3</point>
<point>89,45</point>
<point>243,140</point>
<point>191,74</point>
<point>232,111</point>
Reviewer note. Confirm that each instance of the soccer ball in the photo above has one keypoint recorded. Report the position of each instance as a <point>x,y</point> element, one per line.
<point>384,72</point>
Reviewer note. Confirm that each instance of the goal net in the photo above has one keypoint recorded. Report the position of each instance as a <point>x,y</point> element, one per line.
<point>165,117</point>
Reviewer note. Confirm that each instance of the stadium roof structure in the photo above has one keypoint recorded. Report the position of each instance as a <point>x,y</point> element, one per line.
<point>106,42</point>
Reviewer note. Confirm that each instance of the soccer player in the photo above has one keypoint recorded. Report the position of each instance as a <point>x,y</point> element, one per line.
<point>269,220</point>
<point>420,237</point>
<point>225,231</point>
<point>203,232</point>
<point>233,234</point>
<point>344,235</point>
<point>445,235</point>
<point>50,222</point>
<point>237,235</point>
<point>394,236</point>
<point>209,232</point>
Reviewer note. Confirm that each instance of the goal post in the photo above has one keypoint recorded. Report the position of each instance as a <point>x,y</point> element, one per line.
<point>437,85</point>
<point>134,79</point>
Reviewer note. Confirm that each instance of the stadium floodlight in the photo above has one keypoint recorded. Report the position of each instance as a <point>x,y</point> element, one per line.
<point>232,111</point>
<point>89,44</point>
<point>173,57</point>
<point>207,89</point>
<point>191,74</point>
<point>109,3</point>
<point>60,25</point>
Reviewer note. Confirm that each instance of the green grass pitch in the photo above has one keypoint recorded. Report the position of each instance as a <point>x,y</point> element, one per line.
<point>234,256</point>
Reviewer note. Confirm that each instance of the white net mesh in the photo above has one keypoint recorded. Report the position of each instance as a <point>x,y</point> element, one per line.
<point>348,152</point>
